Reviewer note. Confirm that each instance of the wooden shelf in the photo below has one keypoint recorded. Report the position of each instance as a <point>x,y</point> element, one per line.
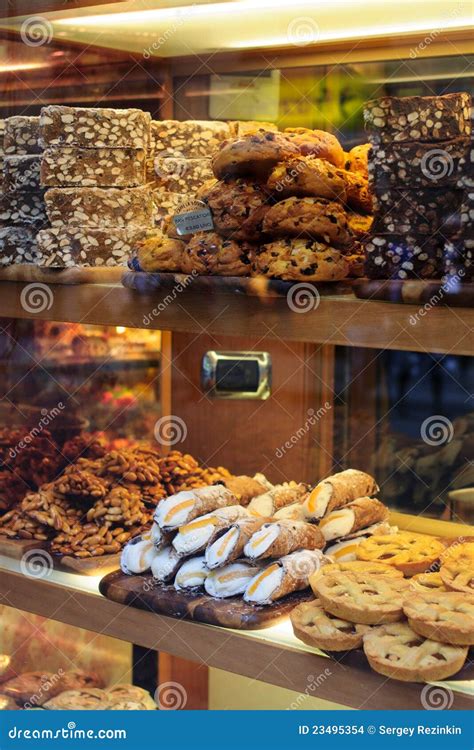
<point>342,320</point>
<point>261,655</point>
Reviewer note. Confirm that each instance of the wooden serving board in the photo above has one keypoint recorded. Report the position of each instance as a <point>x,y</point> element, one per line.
<point>89,566</point>
<point>144,593</point>
<point>414,292</point>
<point>260,286</point>
<point>17,548</point>
<point>29,272</point>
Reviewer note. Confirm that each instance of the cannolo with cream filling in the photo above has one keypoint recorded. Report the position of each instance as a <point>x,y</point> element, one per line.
<point>159,537</point>
<point>187,505</point>
<point>231,580</point>
<point>194,536</point>
<point>138,554</point>
<point>191,574</point>
<point>337,491</point>
<point>282,538</point>
<point>165,564</point>
<point>345,550</point>
<point>280,496</point>
<point>295,512</point>
<point>359,514</point>
<point>246,488</point>
<point>290,573</point>
<point>230,542</point>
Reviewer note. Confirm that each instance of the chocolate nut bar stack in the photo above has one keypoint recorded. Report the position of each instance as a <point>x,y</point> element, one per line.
<point>93,168</point>
<point>22,209</point>
<point>179,161</point>
<point>417,165</point>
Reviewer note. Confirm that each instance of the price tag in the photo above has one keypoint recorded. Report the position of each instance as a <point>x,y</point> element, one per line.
<point>195,218</point>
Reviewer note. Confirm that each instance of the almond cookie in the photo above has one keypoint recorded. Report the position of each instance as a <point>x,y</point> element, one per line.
<point>411,553</point>
<point>207,253</point>
<point>157,253</point>
<point>357,160</point>
<point>315,627</point>
<point>457,568</point>
<point>238,208</point>
<point>427,582</point>
<point>299,260</point>
<point>254,155</point>
<point>309,217</point>
<point>446,616</point>
<point>361,597</point>
<point>358,195</point>
<point>396,651</point>
<point>307,176</point>
<point>317,143</point>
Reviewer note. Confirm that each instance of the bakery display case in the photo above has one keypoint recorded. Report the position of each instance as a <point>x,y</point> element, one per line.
<point>236,356</point>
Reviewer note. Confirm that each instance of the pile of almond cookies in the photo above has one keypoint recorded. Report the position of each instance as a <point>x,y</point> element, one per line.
<point>407,600</point>
<point>289,205</point>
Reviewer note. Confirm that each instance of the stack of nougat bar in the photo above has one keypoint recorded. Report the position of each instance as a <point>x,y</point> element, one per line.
<point>22,208</point>
<point>179,161</point>
<point>93,169</point>
<point>418,167</point>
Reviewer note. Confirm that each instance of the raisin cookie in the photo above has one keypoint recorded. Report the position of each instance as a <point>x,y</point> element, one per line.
<point>358,195</point>
<point>307,176</point>
<point>309,217</point>
<point>357,160</point>
<point>396,651</point>
<point>238,208</point>
<point>209,254</point>
<point>299,260</point>
<point>359,224</point>
<point>315,627</point>
<point>317,143</point>
<point>254,155</point>
<point>157,252</point>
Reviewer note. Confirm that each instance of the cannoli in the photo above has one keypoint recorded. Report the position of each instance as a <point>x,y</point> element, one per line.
<point>165,564</point>
<point>277,539</point>
<point>187,505</point>
<point>138,554</point>
<point>353,517</point>
<point>231,580</point>
<point>246,488</point>
<point>159,537</point>
<point>280,496</point>
<point>337,491</point>
<point>229,544</point>
<point>191,574</point>
<point>345,550</point>
<point>293,512</point>
<point>194,536</point>
<point>284,576</point>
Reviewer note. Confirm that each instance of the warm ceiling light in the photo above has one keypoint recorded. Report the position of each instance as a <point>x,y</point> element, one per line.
<point>10,67</point>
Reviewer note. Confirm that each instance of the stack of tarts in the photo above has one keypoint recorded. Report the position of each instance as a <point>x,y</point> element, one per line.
<point>289,205</point>
<point>407,600</point>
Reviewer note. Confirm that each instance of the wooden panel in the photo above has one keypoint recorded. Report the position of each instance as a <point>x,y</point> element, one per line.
<point>268,661</point>
<point>249,436</point>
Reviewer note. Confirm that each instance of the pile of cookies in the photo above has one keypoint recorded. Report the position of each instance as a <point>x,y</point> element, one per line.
<point>73,690</point>
<point>408,601</point>
<point>288,205</point>
<point>98,503</point>
<point>421,173</point>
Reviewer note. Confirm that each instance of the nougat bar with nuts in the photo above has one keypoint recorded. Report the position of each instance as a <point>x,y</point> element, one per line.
<point>18,245</point>
<point>23,207</point>
<point>417,164</point>
<point>457,265</point>
<point>21,172</point>
<point>418,211</point>
<point>87,127</point>
<point>191,139</point>
<point>64,247</point>
<point>181,175</point>
<point>99,207</point>
<point>418,118</point>
<point>392,257</point>
<point>98,167</point>
<point>22,135</point>
<point>467,214</point>
<point>167,204</point>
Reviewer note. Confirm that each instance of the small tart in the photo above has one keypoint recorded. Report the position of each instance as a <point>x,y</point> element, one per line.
<point>457,568</point>
<point>361,597</point>
<point>132,693</point>
<point>315,627</point>
<point>411,553</point>
<point>88,699</point>
<point>370,569</point>
<point>446,616</point>
<point>396,651</point>
<point>428,582</point>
